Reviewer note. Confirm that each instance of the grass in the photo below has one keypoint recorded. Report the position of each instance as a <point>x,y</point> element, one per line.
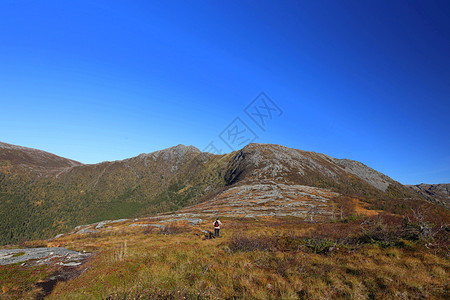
<point>264,259</point>
<point>18,254</point>
<point>278,261</point>
<point>17,282</point>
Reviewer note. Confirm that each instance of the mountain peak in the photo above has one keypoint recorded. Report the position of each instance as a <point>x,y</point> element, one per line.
<point>176,152</point>
<point>181,147</point>
<point>180,150</point>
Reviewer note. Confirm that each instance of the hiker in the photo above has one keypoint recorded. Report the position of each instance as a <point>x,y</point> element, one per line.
<point>217,225</point>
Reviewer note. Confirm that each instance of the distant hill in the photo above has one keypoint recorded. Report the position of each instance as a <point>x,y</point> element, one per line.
<point>17,156</point>
<point>436,192</point>
<point>42,194</point>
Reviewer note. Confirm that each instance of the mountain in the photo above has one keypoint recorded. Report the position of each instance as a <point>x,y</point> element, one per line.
<point>266,161</point>
<point>38,200</point>
<point>42,194</point>
<point>32,159</point>
<point>436,192</point>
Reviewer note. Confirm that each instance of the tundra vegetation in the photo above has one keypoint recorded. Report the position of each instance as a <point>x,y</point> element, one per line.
<point>297,225</point>
<point>353,257</point>
<point>42,194</point>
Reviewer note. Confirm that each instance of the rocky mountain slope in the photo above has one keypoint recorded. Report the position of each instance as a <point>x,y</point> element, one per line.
<point>436,192</point>
<point>47,194</point>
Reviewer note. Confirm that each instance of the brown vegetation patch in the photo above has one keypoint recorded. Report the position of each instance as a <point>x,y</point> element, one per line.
<point>360,208</point>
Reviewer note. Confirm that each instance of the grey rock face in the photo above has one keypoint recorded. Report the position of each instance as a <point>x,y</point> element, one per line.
<point>190,221</point>
<point>100,225</point>
<point>86,230</point>
<point>372,177</point>
<point>437,192</point>
<point>278,163</point>
<point>103,223</point>
<point>40,255</point>
<point>147,225</point>
<point>266,198</point>
<point>174,153</point>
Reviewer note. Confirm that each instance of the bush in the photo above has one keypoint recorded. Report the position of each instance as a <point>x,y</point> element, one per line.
<point>388,230</point>
<point>281,243</point>
<point>320,246</point>
<point>252,243</point>
<point>173,229</point>
<point>148,230</point>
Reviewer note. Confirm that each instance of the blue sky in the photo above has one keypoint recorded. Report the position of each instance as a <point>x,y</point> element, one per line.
<point>107,80</point>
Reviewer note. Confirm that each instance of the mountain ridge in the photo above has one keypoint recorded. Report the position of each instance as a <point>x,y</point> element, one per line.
<point>18,155</point>
<point>169,180</point>
<point>439,192</point>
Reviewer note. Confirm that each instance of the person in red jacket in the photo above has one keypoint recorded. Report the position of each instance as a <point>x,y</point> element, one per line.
<point>217,225</point>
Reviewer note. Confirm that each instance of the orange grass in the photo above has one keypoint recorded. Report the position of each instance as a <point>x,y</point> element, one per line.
<point>133,263</point>
<point>177,266</point>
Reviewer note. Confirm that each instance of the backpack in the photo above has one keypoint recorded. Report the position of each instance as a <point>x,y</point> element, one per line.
<point>216,223</point>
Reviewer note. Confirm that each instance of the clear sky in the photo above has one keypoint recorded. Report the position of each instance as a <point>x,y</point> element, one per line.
<point>107,80</point>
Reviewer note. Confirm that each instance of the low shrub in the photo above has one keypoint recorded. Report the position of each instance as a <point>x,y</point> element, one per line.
<point>173,229</point>
<point>252,243</point>
<point>320,246</point>
<point>148,230</point>
<point>283,243</point>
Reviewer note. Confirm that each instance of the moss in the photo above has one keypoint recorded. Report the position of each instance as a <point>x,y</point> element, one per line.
<point>18,254</point>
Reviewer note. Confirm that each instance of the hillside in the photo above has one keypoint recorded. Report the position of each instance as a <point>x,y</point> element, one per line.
<point>360,254</point>
<point>436,192</point>
<point>296,225</point>
<point>33,159</point>
<point>42,194</point>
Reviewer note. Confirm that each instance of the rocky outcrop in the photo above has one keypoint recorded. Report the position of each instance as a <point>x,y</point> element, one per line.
<point>41,256</point>
<point>437,192</point>
<point>372,177</point>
